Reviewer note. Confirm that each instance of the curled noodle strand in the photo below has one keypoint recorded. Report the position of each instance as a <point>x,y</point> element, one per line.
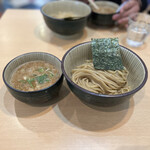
<point>100,81</point>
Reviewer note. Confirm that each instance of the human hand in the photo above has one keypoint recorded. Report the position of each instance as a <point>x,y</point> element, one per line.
<point>132,6</point>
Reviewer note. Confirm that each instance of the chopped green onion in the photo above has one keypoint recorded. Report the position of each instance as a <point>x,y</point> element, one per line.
<point>23,81</point>
<point>30,82</point>
<point>41,69</point>
<point>41,79</point>
<point>51,74</point>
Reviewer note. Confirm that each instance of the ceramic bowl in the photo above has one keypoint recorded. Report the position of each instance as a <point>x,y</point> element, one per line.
<point>77,9</point>
<point>136,79</point>
<point>33,97</point>
<point>101,17</point>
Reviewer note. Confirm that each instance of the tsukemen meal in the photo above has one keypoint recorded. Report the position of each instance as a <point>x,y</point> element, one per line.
<point>105,73</point>
<point>34,75</point>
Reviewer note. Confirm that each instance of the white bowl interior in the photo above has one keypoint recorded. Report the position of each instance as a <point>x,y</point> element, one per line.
<point>77,56</point>
<point>79,8</point>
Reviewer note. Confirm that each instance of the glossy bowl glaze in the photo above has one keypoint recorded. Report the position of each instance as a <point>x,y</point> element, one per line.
<point>103,19</point>
<point>136,79</point>
<point>66,26</point>
<point>33,97</point>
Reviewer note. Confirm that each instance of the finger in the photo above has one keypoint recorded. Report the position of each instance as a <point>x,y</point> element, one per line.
<point>123,20</point>
<point>127,6</point>
<point>132,5</point>
<point>116,17</point>
<point>126,26</point>
<point>129,12</point>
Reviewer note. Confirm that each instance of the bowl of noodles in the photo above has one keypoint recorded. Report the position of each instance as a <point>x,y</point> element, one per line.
<point>103,15</point>
<point>102,87</point>
<point>66,17</point>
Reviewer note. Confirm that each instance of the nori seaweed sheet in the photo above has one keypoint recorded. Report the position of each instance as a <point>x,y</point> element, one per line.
<point>106,54</point>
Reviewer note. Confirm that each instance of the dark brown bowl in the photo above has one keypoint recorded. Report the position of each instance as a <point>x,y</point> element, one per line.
<point>66,26</point>
<point>136,79</point>
<point>34,97</point>
<point>103,19</point>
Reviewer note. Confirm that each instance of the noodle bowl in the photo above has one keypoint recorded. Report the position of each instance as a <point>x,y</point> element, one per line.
<point>136,79</point>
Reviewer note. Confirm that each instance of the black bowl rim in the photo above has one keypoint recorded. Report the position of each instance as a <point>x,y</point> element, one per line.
<point>103,15</point>
<point>29,91</point>
<point>44,14</point>
<point>102,95</point>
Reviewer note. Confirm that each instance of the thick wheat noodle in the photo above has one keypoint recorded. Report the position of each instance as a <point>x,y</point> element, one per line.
<point>99,81</point>
<point>97,78</point>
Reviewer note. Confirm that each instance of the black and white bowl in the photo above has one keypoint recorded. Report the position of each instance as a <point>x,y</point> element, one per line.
<point>136,79</point>
<point>33,97</point>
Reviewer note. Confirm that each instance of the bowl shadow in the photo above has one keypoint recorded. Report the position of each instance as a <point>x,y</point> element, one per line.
<point>103,119</point>
<point>24,111</point>
<point>10,105</point>
<point>34,118</point>
<point>45,34</point>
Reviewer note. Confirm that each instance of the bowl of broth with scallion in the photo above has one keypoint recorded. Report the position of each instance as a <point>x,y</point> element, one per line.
<point>34,78</point>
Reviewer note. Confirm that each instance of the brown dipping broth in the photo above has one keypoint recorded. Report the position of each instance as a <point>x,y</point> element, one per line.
<point>34,75</point>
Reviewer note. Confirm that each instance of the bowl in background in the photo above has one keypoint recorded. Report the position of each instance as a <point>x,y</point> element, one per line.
<point>136,79</point>
<point>33,97</point>
<point>103,16</point>
<point>55,11</point>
